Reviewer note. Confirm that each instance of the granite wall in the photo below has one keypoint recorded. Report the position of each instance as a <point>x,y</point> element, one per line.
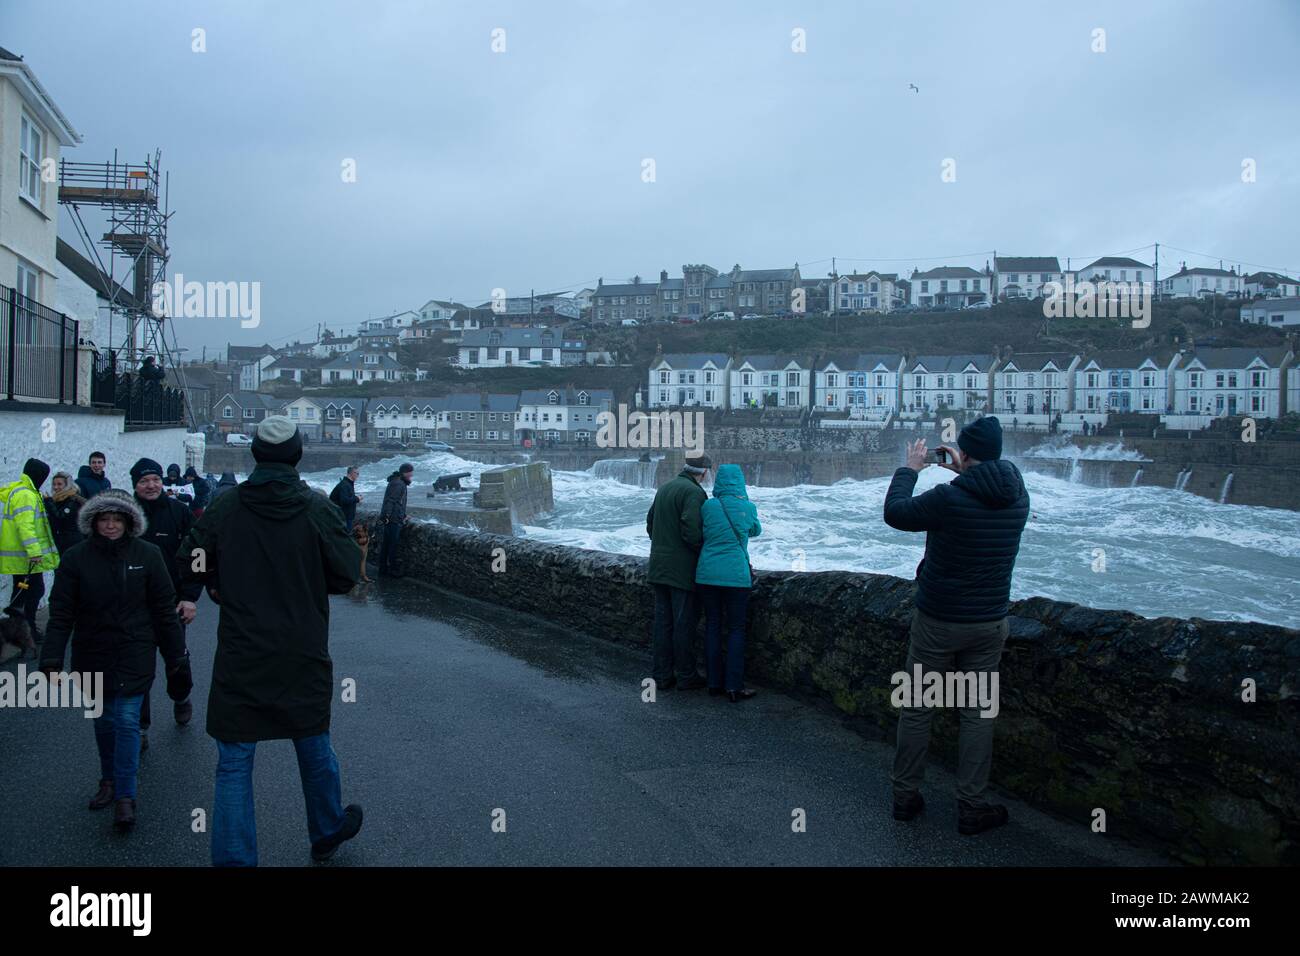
<point>1143,718</point>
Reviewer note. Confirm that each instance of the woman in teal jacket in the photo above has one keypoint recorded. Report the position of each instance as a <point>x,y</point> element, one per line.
<point>722,578</point>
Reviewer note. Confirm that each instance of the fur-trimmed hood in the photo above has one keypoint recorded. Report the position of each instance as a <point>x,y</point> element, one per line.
<point>112,500</point>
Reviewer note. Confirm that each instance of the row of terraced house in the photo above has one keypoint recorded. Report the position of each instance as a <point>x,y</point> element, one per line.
<point>1197,382</point>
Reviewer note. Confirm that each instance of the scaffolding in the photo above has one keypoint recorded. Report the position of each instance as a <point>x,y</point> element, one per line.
<point>133,200</point>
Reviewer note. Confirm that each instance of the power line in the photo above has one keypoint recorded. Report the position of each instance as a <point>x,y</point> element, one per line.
<point>1206,255</point>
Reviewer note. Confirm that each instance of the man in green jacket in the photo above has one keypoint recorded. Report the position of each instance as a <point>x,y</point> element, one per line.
<point>676,535</point>
<point>26,542</point>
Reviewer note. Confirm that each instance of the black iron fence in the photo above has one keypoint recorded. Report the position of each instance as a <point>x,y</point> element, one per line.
<point>144,401</point>
<point>39,349</point>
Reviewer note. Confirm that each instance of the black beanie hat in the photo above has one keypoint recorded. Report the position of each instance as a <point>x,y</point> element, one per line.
<point>982,439</point>
<point>143,467</point>
<point>37,471</point>
<point>277,440</point>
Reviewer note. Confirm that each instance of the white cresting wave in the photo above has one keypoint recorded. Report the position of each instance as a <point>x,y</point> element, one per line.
<point>1164,552</point>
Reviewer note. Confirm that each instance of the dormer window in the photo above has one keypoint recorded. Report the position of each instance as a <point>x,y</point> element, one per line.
<point>553,398</point>
<point>583,399</point>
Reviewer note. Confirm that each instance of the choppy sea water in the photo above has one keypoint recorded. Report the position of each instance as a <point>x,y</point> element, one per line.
<point>1163,552</point>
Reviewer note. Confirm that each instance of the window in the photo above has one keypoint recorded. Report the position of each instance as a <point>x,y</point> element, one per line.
<point>471,435</point>
<point>30,154</point>
<point>459,434</point>
<point>227,412</point>
<point>29,279</point>
<point>293,411</point>
<point>250,413</point>
<point>492,436</point>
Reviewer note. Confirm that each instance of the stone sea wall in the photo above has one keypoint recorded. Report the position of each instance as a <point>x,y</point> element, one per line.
<point>1142,718</point>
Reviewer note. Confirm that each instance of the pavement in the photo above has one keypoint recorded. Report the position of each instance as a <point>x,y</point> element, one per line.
<point>464,710</point>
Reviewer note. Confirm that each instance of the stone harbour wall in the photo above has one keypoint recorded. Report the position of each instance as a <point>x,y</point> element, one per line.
<point>1142,718</point>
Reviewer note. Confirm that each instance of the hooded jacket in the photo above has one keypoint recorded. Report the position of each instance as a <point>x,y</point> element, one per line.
<point>168,521</point>
<point>63,510</point>
<point>174,480</point>
<point>394,506</point>
<point>724,558</point>
<point>25,534</point>
<point>676,534</point>
<point>90,483</point>
<point>202,492</point>
<point>274,551</point>
<point>114,600</point>
<point>973,526</point>
<point>225,484</point>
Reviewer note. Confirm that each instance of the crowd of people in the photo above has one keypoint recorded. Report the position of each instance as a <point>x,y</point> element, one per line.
<point>699,554</point>
<point>130,568</point>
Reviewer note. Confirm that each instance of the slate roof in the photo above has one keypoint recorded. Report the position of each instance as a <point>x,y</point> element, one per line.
<point>690,360</point>
<point>1027,264</point>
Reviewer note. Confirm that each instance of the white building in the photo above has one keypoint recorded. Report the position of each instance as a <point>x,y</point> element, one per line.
<point>1197,283</point>
<point>951,382</point>
<point>1232,381</point>
<point>561,414</point>
<point>498,348</point>
<point>862,384</point>
<point>1271,285</point>
<point>689,379</point>
<point>1023,277</point>
<point>950,286</point>
<point>1276,313</point>
<point>1125,381</point>
<point>778,381</point>
<point>439,310</point>
<point>866,291</point>
<point>32,131</point>
<point>1117,269</point>
<point>363,365</point>
<point>1035,383</point>
<point>402,418</point>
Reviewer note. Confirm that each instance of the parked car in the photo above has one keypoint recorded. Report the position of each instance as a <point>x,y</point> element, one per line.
<point>439,446</point>
<point>750,316</point>
<point>687,320</point>
<point>629,322</point>
<point>722,317</point>
<point>239,438</point>
<point>392,444</point>
<point>979,305</point>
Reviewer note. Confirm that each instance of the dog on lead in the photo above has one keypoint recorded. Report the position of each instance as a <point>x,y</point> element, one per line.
<point>362,537</point>
<point>15,636</point>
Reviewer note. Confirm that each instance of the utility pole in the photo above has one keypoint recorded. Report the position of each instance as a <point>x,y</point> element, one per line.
<point>834,290</point>
<point>1155,282</point>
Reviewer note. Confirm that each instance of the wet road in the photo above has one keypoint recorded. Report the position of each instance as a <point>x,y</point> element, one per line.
<point>464,709</point>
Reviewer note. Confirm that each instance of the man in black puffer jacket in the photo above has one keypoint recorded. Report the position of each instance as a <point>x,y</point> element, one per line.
<point>113,597</point>
<point>973,526</point>
<point>169,521</point>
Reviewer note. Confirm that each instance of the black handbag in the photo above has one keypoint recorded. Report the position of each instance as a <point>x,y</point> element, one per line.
<point>738,541</point>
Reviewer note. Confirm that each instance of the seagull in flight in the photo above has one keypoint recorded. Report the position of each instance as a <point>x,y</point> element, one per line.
<point>913,86</point>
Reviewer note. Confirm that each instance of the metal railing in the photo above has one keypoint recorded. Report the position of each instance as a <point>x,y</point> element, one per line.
<point>144,402</point>
<point>39,349</point>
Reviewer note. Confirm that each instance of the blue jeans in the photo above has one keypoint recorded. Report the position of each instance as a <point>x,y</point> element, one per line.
<point>234,828</point>
<point>673,637</point>
<point>117,735</point>
<point>734,602</point>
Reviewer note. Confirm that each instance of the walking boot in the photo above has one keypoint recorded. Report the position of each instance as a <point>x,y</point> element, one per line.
<point>124,814</point>
<point>104,797</point>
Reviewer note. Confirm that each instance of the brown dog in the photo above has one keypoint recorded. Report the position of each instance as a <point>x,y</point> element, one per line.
<point>15,638</point>
<point>362,537</point>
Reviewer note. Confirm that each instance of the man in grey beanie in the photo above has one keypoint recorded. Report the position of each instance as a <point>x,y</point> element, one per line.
<point>271,552</point>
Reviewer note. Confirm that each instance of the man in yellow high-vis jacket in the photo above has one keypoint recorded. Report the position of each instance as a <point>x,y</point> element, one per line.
<point>26,542</point>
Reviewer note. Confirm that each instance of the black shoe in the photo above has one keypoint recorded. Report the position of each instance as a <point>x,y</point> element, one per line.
<point>144,741</point>
<point>104,797</point>
<point>183,710</point>
<point>972,820</point>
<point>124,814</point>
<point>907,806</point>
<point>692,683</point>
<point>736,696</point>
<point>322,850</point>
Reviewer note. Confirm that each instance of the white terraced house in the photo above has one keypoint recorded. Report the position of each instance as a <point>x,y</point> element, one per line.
<point>561,414</point>
<point>866,291</point>
<point>1197,283</point>
<point>1271,285</point>
<point>950,287</point>
<point>1275,313</point>
<point>951,382</point>
<point>1232,381</point>
<point>402,418</point>
<point>1035,383</point>
<point>498,348</point>
<point>1117,269</point>
<point>777,381</point>
<point>1125,381</point>
<point>1024,277</point>
<point>689,379</point>
<point>864,384</point>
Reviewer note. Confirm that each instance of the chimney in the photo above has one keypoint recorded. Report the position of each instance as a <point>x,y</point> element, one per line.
<point>663,275</point>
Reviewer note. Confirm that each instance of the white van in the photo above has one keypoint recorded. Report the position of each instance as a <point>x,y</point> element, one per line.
<point>629,322</point>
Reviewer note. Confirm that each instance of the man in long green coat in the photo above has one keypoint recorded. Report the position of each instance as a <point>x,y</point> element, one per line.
<point>676,535</point>
<point>271,552</point>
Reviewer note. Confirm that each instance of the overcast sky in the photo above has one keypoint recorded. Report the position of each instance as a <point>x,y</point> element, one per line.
<point>524,168</point>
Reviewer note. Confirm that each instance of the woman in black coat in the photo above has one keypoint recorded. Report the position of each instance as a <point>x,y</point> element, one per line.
<point>63,507</point>
<point>113,597</point>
